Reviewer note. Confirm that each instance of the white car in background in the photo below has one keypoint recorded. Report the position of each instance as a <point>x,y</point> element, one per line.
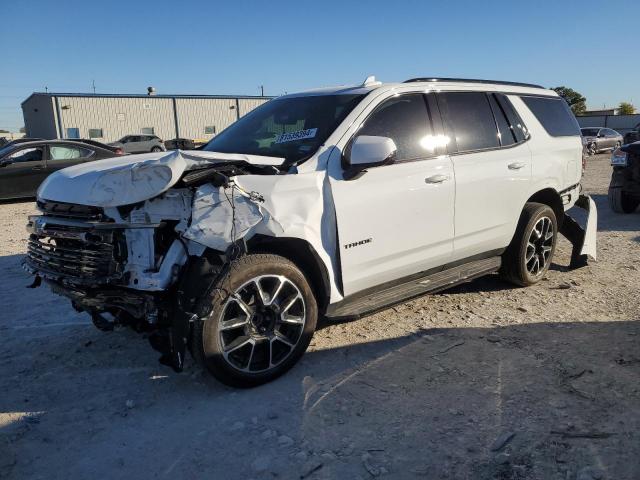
<point>333,202</point>
<point>140,144</point>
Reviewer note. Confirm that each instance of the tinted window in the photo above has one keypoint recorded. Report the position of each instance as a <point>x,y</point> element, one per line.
<point>516,124</point>
<point>589,132</point>
<point>469,118</point>
<point>289,127</point>
<point>27,155</point>
<point>405,120</point>
<point>505,133</point>
<point>554,115</point>
<point>64,152</point>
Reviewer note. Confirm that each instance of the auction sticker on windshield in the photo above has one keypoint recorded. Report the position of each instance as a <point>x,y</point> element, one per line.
<point>299,135</point>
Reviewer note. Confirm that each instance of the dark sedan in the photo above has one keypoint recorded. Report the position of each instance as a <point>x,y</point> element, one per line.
<point>23,166</point>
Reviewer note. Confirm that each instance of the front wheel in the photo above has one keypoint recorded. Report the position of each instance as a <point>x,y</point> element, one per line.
<point>262,319</point>
<point>529,255</point>
<point>621,202</point>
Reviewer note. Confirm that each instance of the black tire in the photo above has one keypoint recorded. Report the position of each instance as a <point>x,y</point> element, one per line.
<point>516,268</point>
<point>617,146</point>
<point>621,202</point>
<point>156,149</point>
<point>591,149</point>
<point>208,337</point>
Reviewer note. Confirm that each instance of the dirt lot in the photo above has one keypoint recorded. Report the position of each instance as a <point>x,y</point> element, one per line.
<point>484,381</point>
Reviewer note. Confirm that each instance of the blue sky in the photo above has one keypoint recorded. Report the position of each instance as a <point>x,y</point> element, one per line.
<point>233,47</point>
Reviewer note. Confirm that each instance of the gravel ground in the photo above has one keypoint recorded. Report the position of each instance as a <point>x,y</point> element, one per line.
<point>481,381</point>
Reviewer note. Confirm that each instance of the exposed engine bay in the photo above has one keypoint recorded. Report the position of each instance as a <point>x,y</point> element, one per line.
<point>121,263</point>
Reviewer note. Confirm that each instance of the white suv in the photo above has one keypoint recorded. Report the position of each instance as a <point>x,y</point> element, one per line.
<point>332,202</point>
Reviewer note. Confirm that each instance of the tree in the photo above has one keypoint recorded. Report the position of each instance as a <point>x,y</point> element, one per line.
<point>23,130</point>
<point>4,131</point>
<point>626,108</point>
<point>575,100</point>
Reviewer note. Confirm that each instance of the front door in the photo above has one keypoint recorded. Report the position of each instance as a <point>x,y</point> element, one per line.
<point>23,172</point>
<point>396,220</point>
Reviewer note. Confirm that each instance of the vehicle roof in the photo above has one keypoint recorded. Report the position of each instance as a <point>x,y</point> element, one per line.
<point>433,84</point>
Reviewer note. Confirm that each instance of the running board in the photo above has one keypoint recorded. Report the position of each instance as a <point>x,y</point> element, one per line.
<point>369,302</point>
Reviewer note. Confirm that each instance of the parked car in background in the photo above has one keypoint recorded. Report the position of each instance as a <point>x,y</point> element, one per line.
<point>140,144</point>
<point>633,135</point>
<point>24,165</point>
<point>624,189</point>
<point>599,139</point>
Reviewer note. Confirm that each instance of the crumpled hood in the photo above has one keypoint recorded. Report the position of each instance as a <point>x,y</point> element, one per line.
<point>132,178</point>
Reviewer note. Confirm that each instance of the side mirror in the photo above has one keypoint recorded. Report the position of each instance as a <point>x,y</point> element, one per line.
<point>601,135</point>
<point>369,151</point>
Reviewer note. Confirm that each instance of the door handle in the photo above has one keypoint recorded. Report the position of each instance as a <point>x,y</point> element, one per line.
<point>439,178</point>
<point>516,166</point>
<point>37,167</point>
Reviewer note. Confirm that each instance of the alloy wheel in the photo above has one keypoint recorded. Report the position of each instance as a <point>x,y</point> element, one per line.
<point>539,246</point>
<point>261,323</point>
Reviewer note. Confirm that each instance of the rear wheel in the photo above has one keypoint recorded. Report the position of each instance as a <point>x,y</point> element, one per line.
<point>621,202</point>
<point>156,149</point>
<point>529,255</point>
<point>591,149</point>
<point>262,319</point>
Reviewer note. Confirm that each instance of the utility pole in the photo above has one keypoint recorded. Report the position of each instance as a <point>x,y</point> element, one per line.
<point>262,90</point>
<point>93,84</point>
<point>46,89</point>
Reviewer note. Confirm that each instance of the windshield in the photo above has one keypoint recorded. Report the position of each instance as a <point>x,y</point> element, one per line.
<point>589,132</point>
<point>289,128</point>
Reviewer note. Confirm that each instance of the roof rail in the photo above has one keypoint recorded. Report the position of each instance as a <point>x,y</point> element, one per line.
<point>471,80</point>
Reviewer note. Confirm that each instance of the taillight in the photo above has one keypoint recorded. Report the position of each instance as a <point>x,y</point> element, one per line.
<point>119,151</point>
<point>161,141</point>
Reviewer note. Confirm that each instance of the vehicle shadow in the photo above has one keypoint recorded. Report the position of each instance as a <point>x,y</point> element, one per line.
<point>535,400</point>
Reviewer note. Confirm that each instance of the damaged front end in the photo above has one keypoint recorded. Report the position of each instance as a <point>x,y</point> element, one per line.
<point>125,263</point>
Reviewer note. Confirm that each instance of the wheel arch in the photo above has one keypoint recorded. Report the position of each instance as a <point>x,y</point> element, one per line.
<point>304,256</point>
<point>550,197</point>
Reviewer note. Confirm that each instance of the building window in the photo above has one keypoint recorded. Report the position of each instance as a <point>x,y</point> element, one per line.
<point>210,130</point>
<point>95,133</point>
<point>73,132</point>
<point>147,131</point>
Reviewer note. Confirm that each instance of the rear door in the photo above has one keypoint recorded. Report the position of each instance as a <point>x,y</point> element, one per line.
<point>23,173</point>
<point>493,169</point>
<point>396,220</point>
<point>133,144</point>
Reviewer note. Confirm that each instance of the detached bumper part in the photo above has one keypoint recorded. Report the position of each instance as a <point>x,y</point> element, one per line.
<point>582,239</point>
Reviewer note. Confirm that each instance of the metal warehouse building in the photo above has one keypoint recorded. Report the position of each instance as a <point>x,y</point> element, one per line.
<point>107,118</point>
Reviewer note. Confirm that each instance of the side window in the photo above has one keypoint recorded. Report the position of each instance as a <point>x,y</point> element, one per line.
<point>554,115</point>
<point>516,124</point>
<point>134,139</point>
<point>505,134</point>
<point>64,152</point>
<point>468,117</point>
<point>405,120</point>
<point>27,155</point>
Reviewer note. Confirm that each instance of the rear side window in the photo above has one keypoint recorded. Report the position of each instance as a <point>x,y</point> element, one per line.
<point>516,124</point>
<point>405,120</point>
<point>469,118</point>
<point>554,115</point>
<point>505,133</point>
